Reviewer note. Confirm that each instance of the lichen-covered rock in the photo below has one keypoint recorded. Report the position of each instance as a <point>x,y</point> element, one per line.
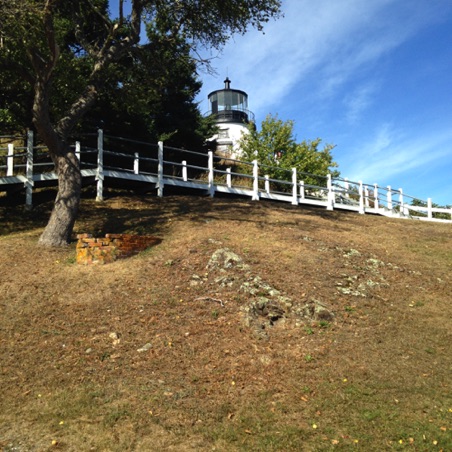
<point>224,259</point>
<point>315,310</point>
<point>266,306</point>
<point>256,286</point>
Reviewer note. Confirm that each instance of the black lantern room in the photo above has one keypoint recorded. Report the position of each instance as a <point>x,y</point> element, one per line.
<point>230,105</point>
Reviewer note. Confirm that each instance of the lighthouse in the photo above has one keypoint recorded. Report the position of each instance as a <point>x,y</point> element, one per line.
<point>229,108</point>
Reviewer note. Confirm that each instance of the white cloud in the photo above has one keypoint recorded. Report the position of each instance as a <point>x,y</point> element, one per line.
<point>390,154</point>
<point>328,39</point>
<point>357,101</point>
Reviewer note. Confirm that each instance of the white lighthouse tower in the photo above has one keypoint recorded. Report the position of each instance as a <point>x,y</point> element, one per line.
<point>229,107</point>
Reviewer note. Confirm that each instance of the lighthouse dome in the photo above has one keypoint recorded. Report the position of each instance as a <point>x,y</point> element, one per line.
<point>230,105</point>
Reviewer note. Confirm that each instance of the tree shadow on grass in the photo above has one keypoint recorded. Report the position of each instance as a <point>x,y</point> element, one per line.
<point>150,215</point>
<point>123,211</point>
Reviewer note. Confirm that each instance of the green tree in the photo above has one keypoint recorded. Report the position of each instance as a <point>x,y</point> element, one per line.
<point>154,97</point>
<point>275,146</point>
<point>15,103</point>
<point>149,94</point>
<point>37,36</point>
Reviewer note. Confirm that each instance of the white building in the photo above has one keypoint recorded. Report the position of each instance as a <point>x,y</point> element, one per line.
<point>230,110</point>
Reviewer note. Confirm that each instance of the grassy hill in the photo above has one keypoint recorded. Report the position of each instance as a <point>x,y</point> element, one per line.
<point>252,326</point>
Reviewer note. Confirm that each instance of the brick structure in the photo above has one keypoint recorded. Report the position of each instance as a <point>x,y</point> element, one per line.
<point>91,250</point>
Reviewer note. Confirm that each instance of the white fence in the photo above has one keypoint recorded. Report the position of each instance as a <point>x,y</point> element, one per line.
<point>161,166</point>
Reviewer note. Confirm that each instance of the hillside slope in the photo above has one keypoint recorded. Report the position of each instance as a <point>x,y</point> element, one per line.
<point>252,326</point>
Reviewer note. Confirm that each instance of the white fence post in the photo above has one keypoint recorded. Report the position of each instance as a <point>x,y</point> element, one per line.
<point>346,188</point>
<point>267,184</point>
<point>136,163</point>
<point>29,171</point>
<point>160,170</point>
<point>100,165</point>
<point>184,171</point>
<point>255,196</point>
<point>366,197</point>
<point>228,177</point>
<point>429,208</point>
<point>389,198</point>
<point>10,160</point>
<point>294,187</point>
<point>361,198</point>
<point>402,205</point>
<point>302,192</point>
<point>77,150</point>
<point>330,196</point>
<point>211,175</point>
<point>376,201</point>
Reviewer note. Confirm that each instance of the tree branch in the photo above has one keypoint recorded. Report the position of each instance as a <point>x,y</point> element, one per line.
<point>51,39</point>
<point>111,51</point>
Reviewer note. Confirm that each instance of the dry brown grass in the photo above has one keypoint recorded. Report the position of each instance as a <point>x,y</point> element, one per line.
<point>375,378</point>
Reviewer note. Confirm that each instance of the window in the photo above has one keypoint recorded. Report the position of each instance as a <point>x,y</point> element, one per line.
<point>223,133</point>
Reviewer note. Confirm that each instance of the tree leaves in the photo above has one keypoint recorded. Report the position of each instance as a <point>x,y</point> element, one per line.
<point>276,147</point>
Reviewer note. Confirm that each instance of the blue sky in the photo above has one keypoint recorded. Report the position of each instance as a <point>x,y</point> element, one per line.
<point>372,77</point>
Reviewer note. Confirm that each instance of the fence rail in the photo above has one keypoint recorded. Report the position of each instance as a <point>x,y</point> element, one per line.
<point>161,166</point>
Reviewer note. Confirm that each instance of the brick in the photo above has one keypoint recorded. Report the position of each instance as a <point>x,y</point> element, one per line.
<point>84,236</point>
<point>91,250</point>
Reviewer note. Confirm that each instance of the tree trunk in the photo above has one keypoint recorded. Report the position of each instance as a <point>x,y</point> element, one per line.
<point>59,228</point>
